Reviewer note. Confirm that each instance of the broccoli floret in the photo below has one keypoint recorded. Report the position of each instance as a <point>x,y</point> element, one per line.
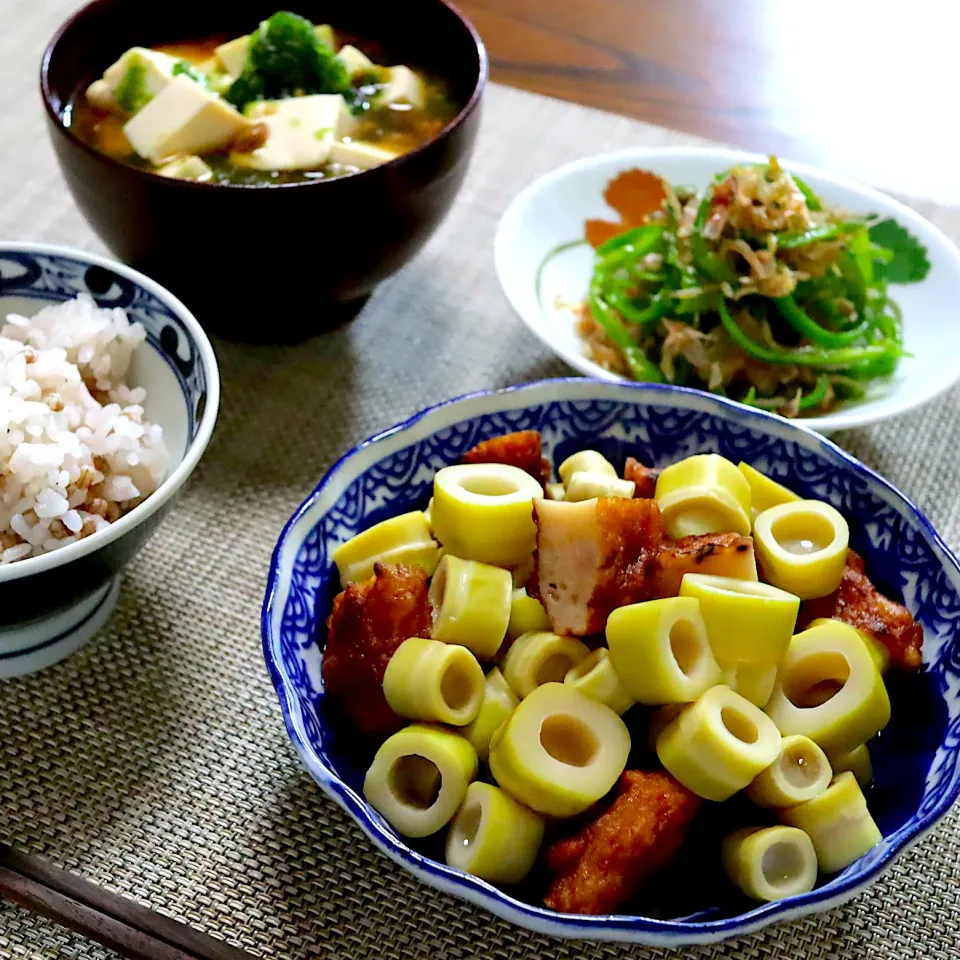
<point>131,93</point>
<point>286,58</point>
<point>246,89</point>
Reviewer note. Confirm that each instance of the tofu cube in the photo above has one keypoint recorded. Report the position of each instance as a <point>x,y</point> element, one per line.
<point>137,77</point>
<point>183,119</point>
<point>403,86</point>
<point>233,55</point>
<point>186,168</point>
<point>360,154</point>
<point>356,61</point>
<point>300,132</point>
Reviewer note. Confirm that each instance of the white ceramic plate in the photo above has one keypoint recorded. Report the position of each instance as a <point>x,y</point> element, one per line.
<point>552,211</point>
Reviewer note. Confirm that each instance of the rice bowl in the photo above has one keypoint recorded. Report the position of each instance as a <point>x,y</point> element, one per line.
<point>76,451</point>
<point>54,600</point>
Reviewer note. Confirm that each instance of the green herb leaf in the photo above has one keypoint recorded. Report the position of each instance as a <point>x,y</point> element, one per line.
<point>186,68</point>
<point>132,94</point>
<point>909,263</point>
<point>214,81</point>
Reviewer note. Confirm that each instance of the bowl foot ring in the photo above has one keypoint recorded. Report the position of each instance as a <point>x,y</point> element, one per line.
<point>44,642</point>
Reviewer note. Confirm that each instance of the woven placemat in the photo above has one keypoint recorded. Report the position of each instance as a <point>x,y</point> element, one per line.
<point>155,762</point>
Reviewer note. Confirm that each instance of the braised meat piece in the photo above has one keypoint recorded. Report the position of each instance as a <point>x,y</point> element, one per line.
<point>644,477</point>
<point>368,623</point>
<point>603,865</point>
<point>718,554</point>
<point>858,602</point>
<point>523,449</point>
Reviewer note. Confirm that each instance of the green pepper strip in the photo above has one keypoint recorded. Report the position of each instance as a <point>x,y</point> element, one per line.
<point>659,306</point>
<point>816,395</point>
<point>881,366</point>
<point>886,324</point>
<point>632,245</point>
<point>813,201</point>
<point>685,306</point>
<point>803,356</point>
<point>807,327</point>
<point>848,389</point>
<point>641,368</point>
<point>895,316</point>
<point>875,307</point>
<point>840,320</point>
<point>793,241</point>
<point>761,403</point>
<point>632,286</point>
<point>857,284</point>
<point>846,321</point>
<point>709,263</point>
<point>640,239</point>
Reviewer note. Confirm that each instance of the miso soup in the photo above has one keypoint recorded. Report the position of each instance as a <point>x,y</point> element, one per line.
<point>285,104</point>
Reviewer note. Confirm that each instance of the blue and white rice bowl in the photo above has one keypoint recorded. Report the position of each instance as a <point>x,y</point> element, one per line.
<point>53,602</point>
<point>917,774</point>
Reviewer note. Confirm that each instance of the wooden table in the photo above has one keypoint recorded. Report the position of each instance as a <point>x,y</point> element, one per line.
<point>851,85</point>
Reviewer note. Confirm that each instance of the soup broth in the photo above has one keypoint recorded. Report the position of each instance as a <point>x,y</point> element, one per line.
<point>385,113</point>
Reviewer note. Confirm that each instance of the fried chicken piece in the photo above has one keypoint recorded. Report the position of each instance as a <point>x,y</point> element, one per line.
<point>592,557</point>
<point>719,554</point>
<point>369,621</point>
<point>858,602</point>
<point>644,477</point>
<point>604,864</point>
<point>523,449</point>
<point>597,555</point>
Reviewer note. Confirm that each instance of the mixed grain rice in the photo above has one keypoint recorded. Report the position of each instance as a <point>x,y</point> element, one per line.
<point>76,452</point>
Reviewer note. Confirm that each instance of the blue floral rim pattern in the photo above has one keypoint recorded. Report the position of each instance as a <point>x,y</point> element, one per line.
<point>56,278</point>
<point>916,761</point>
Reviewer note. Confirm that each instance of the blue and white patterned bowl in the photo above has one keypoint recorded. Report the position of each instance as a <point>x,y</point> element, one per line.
<point>915,759</point>
<point>52,604</point>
